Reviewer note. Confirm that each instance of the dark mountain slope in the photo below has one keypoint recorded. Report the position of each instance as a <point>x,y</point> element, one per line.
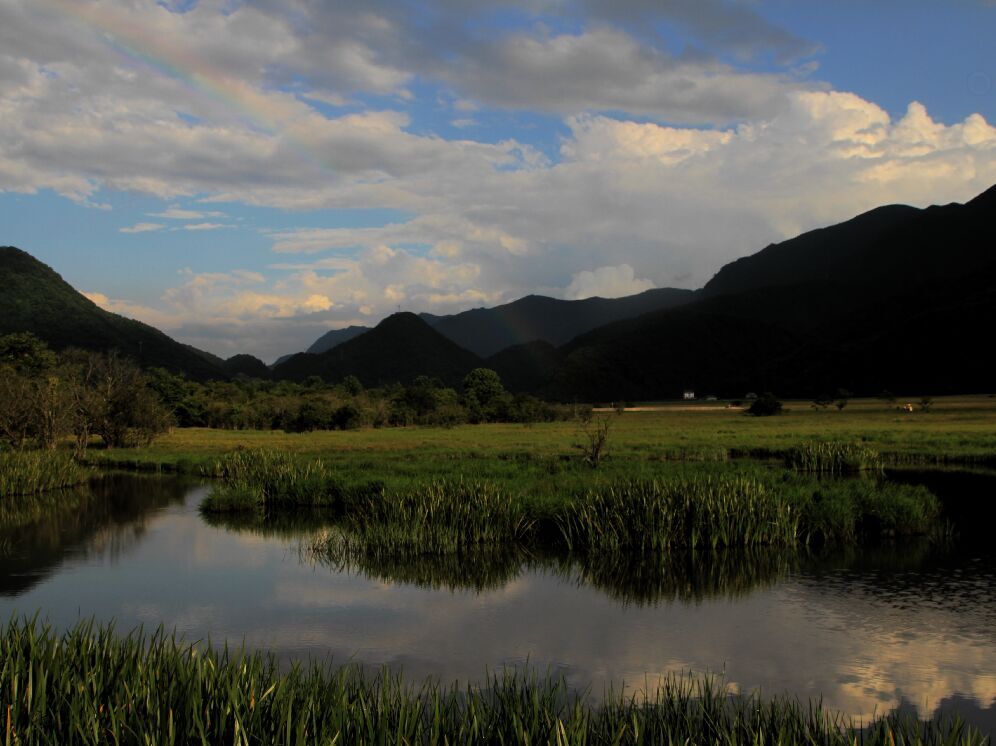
<point>36,299</point>
<point>816,256</point>
<point>898,298</point>
<point>247,366</point>
<point>486,331</point>
<point>335,337</point>
<point>526,368</point>
<point>399,349</point>
<point>658,355</point>
<point>882,252</point>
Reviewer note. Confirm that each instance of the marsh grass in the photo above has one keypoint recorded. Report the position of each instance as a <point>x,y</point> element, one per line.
<point>833,456</point>
<point>35,472</point>
<point>440,517</point>
<point>653,517</point>
<point>843,511</point>
<point>91,686</point>
<point>261,479</point>
<point>656,516</point>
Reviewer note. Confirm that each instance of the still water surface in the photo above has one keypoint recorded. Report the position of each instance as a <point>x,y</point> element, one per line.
<point>910,625</point>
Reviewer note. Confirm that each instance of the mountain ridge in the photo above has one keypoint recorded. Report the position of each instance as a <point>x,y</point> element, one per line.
<point>37,299</point>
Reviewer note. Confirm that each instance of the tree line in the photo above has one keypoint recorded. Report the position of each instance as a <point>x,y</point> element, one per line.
<point>48,397</point>
<point>252,404</point>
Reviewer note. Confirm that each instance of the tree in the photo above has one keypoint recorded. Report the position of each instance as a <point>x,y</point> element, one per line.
<point>594,433</point>
<point>34,401</point>
<point>485,396</point>
<point>112,399</point>
<point>765,405</point>
<point>484,385</point>
<point>822,401</point>
<point>26,354</point>
<point>842,397</point>
<point>16,414</point>
<point>352,385</point>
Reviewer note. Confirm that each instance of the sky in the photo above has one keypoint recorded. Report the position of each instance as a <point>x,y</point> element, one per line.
<point>247,174</point>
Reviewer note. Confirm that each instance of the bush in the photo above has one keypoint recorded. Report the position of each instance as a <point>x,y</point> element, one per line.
<point>765,405</point>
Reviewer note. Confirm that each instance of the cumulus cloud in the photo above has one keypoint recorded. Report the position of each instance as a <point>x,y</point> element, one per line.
<point>177,213</point>
<point>152,316</point>
<point>207,226</point>
<point>142,228</point>
<point>606,282</point>
<point>605,69</point>
<point>250,104</point>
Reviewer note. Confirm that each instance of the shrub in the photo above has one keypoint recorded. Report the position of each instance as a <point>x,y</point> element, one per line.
<point>765,405</point>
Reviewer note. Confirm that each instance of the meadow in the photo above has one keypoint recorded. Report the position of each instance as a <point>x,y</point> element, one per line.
<point>956,430</point>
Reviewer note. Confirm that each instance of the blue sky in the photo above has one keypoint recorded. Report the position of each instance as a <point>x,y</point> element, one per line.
<point>247,174</point>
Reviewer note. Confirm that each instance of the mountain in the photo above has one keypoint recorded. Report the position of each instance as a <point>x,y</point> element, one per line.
<point>399,349</point>
<point>486,331</point>
<point>898,298</point>
<point>528,367</point>
<point>335,337</point>
<point>247,366</point>
<point>36,299</point>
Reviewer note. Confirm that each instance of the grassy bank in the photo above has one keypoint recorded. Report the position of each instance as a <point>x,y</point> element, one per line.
<point>91,686</point>
<point>35,472</point>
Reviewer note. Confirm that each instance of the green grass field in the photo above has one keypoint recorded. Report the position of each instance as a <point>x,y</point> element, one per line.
<point>955,430</point>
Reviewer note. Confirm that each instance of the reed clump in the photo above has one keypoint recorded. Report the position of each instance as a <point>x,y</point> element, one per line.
<point>833,457</point>
<point>843,511</point>
<point>35,472</point>
<point>261,479</point>
<point>91,686</point>
<point>649,517</point>
<point>440,517</point>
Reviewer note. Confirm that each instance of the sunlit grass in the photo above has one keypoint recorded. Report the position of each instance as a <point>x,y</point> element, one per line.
<point>956,430</point>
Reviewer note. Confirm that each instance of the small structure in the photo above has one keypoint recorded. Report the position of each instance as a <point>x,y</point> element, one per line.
<point>689,395</point>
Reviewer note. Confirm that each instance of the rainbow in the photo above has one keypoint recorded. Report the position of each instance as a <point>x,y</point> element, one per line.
<point>136,43</point>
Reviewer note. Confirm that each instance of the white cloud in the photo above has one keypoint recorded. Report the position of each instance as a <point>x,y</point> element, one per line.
<point>606,282</point>
<point>177,213</point>
<point>152,316</point>
<point>207,226</point>
<point>142,228</point>
<point>626,203</point>
<point>606,69</point>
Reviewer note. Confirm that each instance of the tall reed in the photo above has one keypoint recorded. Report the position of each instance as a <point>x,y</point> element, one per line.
<point>261,478</point>
<point>832,456</point>
<point>446,516</point>
<point>90,686</point>
<point>655,516</point>
<point>34,472</point>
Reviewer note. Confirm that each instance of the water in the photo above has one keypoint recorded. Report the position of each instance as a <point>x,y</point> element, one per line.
<point>908,625</point>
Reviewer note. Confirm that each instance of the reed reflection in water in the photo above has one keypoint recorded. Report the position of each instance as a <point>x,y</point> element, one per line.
<point>866,629</point>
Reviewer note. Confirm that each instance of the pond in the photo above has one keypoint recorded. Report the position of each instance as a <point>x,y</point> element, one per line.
<point>910,624</point>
